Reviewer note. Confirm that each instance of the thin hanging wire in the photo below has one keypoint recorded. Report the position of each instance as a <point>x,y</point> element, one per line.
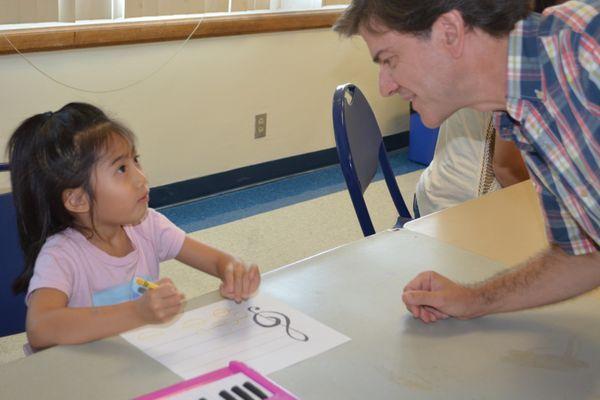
<point>127,86</point>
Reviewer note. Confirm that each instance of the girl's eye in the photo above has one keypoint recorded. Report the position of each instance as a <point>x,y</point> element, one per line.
<point>122,169</point>
<point>136,159</point>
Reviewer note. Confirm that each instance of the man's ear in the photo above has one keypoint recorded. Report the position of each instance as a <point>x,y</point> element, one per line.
<point>76,200</point>
<point>449,31</point>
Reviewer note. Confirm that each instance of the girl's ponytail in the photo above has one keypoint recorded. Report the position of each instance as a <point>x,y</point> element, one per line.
<point>31,218</point>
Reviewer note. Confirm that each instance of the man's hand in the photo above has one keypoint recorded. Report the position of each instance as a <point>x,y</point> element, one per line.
<point>547,278</point>
<point>431,297</point>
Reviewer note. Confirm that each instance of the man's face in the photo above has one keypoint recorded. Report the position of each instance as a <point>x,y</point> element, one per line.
<point>418,69</point>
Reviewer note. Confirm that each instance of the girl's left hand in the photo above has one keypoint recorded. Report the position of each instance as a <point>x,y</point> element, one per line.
<point>240,280</point>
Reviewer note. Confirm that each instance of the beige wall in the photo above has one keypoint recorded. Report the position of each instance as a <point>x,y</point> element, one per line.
<point>196,116</point>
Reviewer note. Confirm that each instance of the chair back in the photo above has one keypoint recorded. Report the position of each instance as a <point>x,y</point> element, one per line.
<point>12,307</point>
<point>361,150</point>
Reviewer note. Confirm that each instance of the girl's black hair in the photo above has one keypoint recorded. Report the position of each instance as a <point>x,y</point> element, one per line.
<point>49,153</point>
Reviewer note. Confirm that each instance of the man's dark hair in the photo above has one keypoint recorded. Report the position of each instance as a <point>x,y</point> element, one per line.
<point>540,5</point>
<point>495,17</point>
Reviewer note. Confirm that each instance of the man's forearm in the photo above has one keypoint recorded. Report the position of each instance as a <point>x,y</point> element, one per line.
<point>550,277</point>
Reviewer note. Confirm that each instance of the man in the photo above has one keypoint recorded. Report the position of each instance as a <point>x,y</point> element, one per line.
<point>541,75</point>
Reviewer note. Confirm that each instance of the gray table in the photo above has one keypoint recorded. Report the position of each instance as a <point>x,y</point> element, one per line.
<point>548,353</point>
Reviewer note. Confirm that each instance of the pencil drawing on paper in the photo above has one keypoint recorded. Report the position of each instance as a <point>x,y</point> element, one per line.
<point>270,319</point>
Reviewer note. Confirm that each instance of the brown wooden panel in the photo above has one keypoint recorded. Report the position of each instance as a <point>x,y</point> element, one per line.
<point>59,38</point>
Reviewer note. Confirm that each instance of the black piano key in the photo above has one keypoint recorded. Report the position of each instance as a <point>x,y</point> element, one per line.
<point>240,392</point>
<point>225,395</point>
<point>255,390</point>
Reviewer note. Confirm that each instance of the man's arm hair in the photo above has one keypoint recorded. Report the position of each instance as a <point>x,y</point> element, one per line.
<point>550,277</point>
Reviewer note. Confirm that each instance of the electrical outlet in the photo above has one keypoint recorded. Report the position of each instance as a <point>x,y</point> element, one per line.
<point>260,126</point>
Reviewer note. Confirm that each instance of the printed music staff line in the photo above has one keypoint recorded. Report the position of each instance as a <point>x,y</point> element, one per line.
<point>263,332</point>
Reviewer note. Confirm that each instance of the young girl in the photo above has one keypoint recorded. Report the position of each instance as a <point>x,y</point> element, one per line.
<point>87,232</point>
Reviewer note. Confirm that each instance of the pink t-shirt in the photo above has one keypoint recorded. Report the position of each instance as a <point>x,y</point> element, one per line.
<point>90,277</point>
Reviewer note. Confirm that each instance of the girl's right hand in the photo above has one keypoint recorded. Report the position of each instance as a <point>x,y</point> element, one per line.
<point>161,304</point>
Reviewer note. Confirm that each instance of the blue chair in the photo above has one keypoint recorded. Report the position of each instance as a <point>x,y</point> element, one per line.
<point>12,307</point>
<point>422,140</point>
<point>361,149</point>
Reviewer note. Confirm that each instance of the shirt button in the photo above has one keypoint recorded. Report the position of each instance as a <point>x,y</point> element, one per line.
<point>584,193</point>
<point>539,94</point>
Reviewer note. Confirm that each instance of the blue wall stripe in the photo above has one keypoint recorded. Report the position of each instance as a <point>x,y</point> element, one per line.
<point>178,192</point>
<point>243,203</point>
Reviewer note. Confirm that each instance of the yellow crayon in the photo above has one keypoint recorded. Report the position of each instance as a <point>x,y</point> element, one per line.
<point>144,283</point>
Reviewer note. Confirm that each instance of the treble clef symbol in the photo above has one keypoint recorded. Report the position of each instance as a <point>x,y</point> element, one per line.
<point>270,319</point>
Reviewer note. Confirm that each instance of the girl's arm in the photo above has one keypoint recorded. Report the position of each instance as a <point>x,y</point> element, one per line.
<point>51,322</point>
<point>240,280</point>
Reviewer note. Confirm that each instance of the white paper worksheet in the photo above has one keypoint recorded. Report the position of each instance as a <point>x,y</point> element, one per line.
<point>263,332</point>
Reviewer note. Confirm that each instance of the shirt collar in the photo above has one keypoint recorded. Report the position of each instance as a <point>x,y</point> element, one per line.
<point>524,77</point>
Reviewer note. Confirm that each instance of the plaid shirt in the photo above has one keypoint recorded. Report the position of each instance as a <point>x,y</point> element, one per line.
<point>553,110</point>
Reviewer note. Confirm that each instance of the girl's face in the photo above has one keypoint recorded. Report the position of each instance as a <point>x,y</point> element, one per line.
<point>119,185</point>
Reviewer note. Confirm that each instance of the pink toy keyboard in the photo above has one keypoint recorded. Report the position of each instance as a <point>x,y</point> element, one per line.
<point>235,382</point>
